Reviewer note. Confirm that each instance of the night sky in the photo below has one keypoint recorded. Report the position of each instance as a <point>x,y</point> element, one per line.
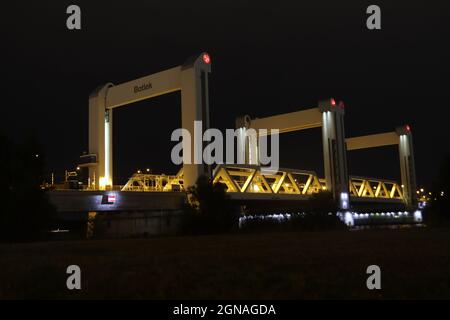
<point>267,58</point>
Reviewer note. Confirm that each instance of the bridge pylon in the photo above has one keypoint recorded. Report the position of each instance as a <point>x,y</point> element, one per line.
<point>334,150</point>
<point>329,115</point>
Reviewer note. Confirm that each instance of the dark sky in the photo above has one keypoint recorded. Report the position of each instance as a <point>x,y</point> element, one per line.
<point>267,58</point>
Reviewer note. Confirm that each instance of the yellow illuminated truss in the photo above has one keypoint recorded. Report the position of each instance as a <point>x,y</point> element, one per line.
<point>154,182</point>
<point>252,179</point>
<point>375,188</point>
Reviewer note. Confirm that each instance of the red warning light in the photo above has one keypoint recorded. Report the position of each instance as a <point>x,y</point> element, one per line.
<point>333,102</point>
<point>206,58</point>
<point>408,128</point>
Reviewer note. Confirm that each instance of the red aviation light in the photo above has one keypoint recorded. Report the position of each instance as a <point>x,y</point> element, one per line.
<point>206,58</point>
<point>408,128</point>
<point>333,102</point>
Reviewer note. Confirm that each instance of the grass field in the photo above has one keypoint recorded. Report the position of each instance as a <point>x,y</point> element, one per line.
<point>415,263</point>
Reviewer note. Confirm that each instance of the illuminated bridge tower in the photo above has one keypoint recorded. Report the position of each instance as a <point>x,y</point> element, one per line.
<point>407,165</point>
<point>334,150</point>
<point>191,78</point>
<point>330,117</point>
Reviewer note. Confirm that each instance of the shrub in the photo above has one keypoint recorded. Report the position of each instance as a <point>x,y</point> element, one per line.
<point>438,211</point>
<point>209,209</point>
<point>25,213</point>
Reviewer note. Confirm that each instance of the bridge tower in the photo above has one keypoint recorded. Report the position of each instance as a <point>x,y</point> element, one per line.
<point>191,78</point>
<point>334,150</point>
<point>330,117</point>
<point>407,165</point>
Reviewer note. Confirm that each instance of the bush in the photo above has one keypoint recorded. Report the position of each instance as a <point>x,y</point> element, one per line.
<point>438,211</point>
<point>320,214</point>
<point>25,213</point>
<point>209,209</point>
<point>298,222</point>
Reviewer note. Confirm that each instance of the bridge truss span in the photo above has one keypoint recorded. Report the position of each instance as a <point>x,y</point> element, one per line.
<point>362,187</point>
<point>254,179</point>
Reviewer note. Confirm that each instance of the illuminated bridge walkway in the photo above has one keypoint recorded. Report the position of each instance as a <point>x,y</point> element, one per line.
<point>252,183</point>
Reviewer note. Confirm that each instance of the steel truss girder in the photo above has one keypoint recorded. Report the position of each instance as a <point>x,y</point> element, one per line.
<point>252,179</point>
<point>375,188</point>
<point>153,182</point>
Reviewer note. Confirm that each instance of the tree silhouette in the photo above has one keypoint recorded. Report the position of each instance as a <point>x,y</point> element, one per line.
<point>439,210</point>
<point>25,211</point>
<point>210,209</point>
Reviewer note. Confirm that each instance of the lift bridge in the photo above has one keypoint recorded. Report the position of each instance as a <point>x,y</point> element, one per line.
<point>249,181</point>
<point>151,204</point>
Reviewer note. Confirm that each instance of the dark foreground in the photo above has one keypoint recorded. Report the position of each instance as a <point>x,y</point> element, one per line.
<point>415,263</point>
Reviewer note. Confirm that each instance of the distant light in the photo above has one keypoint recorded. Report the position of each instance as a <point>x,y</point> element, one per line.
<point>111,198</point>
<point>421,189</point>
<point>341,105</point>
<point>206,58</point>
<point>348,219</point>
<point>418,216</point>
<point>102,183</point>
<point>408,128</point>
<point>78,168</point>
<point>148,170</point>
<point>344,200</point>
<point>59,231</point>
<point>333,102</point>
<point>37,156</point>
<point>139,171</point>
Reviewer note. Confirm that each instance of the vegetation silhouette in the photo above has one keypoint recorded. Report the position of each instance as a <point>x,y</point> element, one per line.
<point>25,212</point>
<point>209,209</point>
<point>319,212</point>
<point>438,211</point>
